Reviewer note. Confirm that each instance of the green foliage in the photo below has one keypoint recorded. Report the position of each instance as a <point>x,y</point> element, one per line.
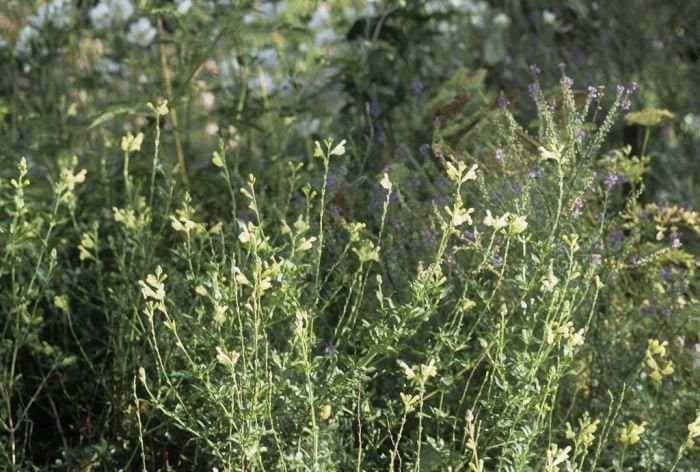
<point>195,278</point>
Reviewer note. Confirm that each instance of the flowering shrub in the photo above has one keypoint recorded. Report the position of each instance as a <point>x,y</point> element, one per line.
<point>465,276</point>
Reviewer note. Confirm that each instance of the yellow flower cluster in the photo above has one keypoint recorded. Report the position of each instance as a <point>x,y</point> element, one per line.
<point>631,433</point>
<point>656,362</point>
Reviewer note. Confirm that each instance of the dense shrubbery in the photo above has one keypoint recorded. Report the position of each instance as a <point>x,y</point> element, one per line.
<point>482,270</point>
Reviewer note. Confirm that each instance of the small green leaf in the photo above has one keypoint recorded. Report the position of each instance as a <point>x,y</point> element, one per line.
<point>112,111</point>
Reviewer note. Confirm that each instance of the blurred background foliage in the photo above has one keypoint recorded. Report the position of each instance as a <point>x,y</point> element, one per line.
<point>405,81</point>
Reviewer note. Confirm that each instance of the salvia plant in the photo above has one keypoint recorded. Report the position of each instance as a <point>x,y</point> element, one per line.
<point>263,251</point>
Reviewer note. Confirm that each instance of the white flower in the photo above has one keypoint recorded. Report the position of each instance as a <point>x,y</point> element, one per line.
<point>321,17</point>
<point>324,37</point>
<point>496,223</point>
<point>270,11</point>
<point>3,42</point>
<point>549,17</point>
<point>259,81</point>
<point>267,57</point>
<point>229,67</point>
<point>339,149</point>
<point>550,280</point>
<point>477,20</point>
<point>501,19</point>
<point>25,38</point>
<point>183,6</point>
<point>61,16</point>
<point>53,13</point>
<point>407,371</point>
<point>106,67</point>
<point>553,152</point>
<point>517,224</point>
<point>385,182</point>
<point>207,99</point>
<point>460,215</point>
<point>121,9</point>
<point>100,16</point>
<point>556,456</point>
<point>211,128</point>
<point>141,32</point>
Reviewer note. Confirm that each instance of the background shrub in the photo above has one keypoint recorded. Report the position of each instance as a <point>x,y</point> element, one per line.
<point>490,264</point>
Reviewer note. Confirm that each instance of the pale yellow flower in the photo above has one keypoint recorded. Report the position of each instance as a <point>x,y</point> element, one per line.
<point>496,223</point>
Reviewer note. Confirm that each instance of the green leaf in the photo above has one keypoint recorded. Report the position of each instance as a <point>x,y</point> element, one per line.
<point>648,117</point>
<point>494,48</point>
<point>112,111</point>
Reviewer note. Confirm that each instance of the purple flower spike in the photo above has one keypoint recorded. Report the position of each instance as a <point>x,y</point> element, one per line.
<point>535,69</point>
<point>532,90</point>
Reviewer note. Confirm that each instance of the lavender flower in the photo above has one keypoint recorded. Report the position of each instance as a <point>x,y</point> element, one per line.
<point>535,69</point>
<point>562,67</point>
<point>610,180</point>
<point>615,237</point>
<point>414,183</point>
<point>374,111</point>
<point>632,89</point>
<point>666,313</point>
<point>592,92</point>
<point>666,274</point>
<point>500,154</point>
<point>532,91</point>
<point>417,87</point>
<point>398,224</point>
<point>503,101</point>
<point>401,152</point>
<point>567,82</point>
<point>649,309</point>
<point>676,242</point>
<point>577,207</point>
<point>331,350</point>
<point>378,135</point>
